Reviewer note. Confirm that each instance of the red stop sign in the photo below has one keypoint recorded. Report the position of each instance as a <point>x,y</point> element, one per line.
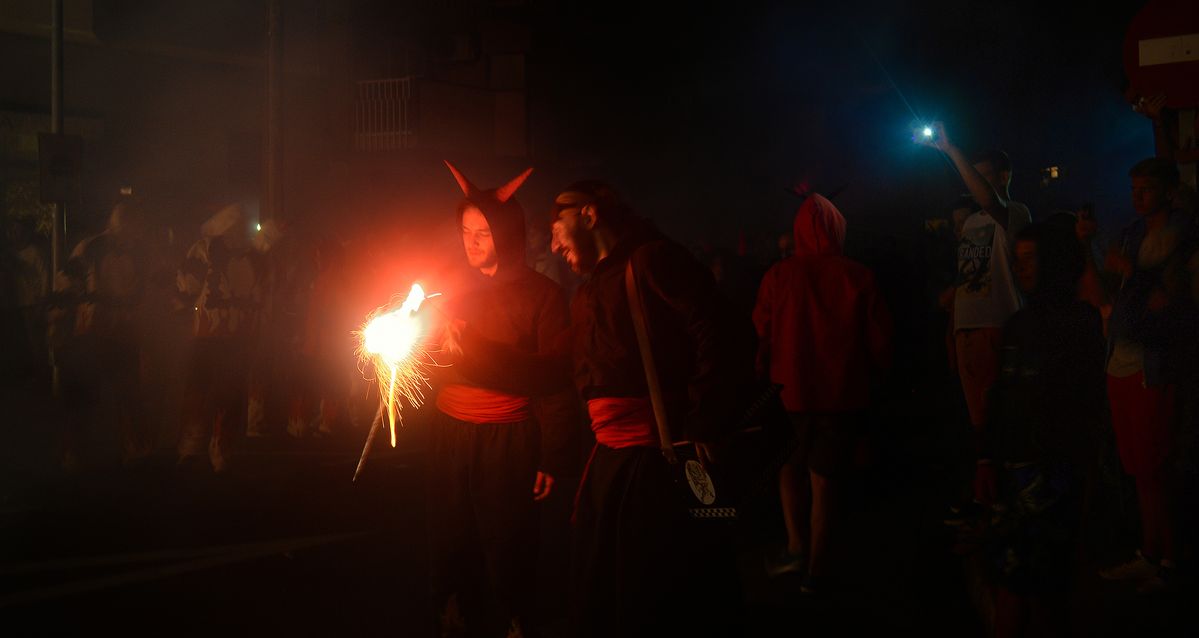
<point>1161,52</point>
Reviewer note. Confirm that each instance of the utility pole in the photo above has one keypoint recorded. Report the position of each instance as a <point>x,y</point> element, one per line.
<point>58,213</point>
<point>56,123</point>
<point>272,182</point>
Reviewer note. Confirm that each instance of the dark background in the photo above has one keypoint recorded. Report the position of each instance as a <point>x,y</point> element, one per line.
<point>707,115</point>
<point>702,113</point>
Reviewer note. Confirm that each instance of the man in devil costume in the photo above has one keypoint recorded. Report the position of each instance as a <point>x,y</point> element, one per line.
<point>642,568</point>
<point>495,452</point>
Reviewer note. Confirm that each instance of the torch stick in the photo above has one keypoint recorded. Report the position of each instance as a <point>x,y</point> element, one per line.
<point>390,340</point>
<point>370,440</point>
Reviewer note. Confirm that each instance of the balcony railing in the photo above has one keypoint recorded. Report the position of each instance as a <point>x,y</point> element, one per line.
<point>383,115</point>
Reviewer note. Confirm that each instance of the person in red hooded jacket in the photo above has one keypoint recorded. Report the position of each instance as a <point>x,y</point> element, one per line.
<point>824,334</point>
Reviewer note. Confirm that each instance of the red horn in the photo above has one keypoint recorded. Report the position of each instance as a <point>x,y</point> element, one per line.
<point>505,192</point>
<point>468,189</point>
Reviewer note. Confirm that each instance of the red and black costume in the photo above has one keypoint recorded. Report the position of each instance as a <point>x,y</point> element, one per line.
<point>490,440</point>
<point>641,569</point>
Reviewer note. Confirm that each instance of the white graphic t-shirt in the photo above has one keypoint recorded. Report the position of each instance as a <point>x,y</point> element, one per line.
<point>986,290</point>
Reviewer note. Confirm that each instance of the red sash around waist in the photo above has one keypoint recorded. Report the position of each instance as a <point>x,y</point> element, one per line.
<point>479,405</point>
<point>620,422</point>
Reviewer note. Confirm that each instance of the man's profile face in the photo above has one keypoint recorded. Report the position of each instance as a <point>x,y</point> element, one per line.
<point>1149,196</point>
<point>477,240</point>
<point>571,233</point>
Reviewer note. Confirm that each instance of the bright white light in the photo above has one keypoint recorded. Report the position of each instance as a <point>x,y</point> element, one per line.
<point>928,131</point>
<point>392,336</point>
<point>258,227</point>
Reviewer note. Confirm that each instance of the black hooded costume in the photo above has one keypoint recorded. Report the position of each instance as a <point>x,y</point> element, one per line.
<point>640,567</point>
<point>490,441</point>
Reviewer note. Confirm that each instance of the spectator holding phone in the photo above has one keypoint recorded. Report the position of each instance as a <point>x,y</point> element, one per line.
<point>986,293</point>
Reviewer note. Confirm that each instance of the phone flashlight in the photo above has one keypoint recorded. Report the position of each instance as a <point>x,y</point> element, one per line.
<point>927,132</point>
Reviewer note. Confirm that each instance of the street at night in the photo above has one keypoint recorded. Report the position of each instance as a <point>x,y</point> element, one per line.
<point>286,543</point>
<point>541,319</point>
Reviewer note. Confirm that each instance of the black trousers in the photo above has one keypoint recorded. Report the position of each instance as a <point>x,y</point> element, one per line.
<point>483,522</point>
<point>641,567</point>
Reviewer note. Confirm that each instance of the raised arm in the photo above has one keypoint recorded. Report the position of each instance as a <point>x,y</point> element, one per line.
<point>992,201</point>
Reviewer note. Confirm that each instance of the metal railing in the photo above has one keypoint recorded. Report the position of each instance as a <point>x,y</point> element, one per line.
<point>383,118</point>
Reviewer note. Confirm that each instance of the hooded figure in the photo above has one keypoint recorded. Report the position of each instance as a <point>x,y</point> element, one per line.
<point>825,335</point>
<point>496,449</point>
<point>822,325</point>
<point>503,213</point>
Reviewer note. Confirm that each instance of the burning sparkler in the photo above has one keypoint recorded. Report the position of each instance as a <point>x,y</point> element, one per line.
<point>391,343</point>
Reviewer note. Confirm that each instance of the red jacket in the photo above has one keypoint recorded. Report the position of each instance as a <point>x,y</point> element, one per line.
<point>824,331</point>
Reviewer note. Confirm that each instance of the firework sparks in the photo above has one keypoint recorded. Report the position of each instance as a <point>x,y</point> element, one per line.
<point>391,344</point>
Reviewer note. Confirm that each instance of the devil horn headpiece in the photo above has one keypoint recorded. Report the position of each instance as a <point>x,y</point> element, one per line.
<point>505,192</point>
<point>468,189</point>
<point>502,194</point>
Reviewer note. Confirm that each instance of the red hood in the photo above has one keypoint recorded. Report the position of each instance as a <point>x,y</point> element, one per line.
<point>819,227</point>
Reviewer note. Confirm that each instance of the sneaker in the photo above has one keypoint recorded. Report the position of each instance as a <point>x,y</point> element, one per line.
<point>961,515</point>
<point>1136,569</point>
<point>813,585</point>
<point>1168,577</point>
<point>785,562</point>
<point>1153,585</point>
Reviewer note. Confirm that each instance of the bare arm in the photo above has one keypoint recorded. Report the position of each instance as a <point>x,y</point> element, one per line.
<point>1165,130</point>
<point>992,202</point>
